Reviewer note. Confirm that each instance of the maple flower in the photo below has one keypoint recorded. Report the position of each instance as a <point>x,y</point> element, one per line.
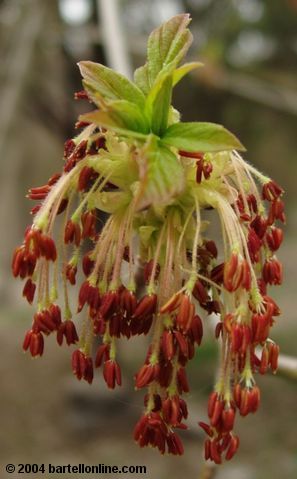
<point>152,177</point>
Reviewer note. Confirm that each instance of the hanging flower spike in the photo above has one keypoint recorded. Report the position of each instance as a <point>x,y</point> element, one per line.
<point>153,176</point>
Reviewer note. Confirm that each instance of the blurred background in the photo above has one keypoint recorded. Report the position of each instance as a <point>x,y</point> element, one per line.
<point>249,49</point>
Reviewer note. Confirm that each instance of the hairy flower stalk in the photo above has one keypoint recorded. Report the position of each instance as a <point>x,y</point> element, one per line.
<point>153,177</point>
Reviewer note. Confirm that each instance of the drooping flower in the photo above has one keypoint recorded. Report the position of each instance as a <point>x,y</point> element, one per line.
<point>153,176</point>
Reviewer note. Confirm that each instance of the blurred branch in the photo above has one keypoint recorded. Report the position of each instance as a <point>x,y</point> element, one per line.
<point>287,366</point>
<point>113,37</point>
<point>268,94</point>
<point>24,36</point>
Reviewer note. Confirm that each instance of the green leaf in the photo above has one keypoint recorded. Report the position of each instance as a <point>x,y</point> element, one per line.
<point>104,119</point>
<point>128,115</point>
<point>161,175</point>
<point>159,100</point>
<point>141,79</point>
<point>202,137</point>
<point>166,44</point>
<point>183,70</point>
<point>109,84</point>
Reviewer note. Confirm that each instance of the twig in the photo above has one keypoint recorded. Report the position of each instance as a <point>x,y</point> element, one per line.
<point>287,366</point>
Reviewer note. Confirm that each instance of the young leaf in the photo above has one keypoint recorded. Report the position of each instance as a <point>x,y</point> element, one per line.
<point>183,70</point>
<point>109,84</point>
<point>202,137</point>
<point>141,79</point>
<point>104,119</point>
<point>166,44</point>
<point>159,99</point>
<point>161,175</point>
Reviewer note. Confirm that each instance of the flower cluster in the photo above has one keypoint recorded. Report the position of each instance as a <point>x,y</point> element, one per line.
<point>133,191</point>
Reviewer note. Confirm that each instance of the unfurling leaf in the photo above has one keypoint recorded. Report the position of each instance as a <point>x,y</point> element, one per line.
<point>109,84</point>
<point>201,136</point>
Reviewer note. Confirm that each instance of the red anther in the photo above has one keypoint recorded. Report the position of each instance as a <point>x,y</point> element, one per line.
<point>204,168</point>
<point>264,360</point>
<point>217,412</point>
<point>228,417</point>
<point>53,179</point>
<point>86,176</point>
<point>70,273</point>
<point>168,348</point>
<point>254,245</point>
<point>172,304</point>
<point>82,366</point>
<point>206,428</point>
<point>112,374</point>
<point>207,449</point>
<point>128,302</point>
<point>29,290</point>
<point>156,399</point>
<point>146,306</point>
<point>271,306</point>
<point>259,225</point>
<point>249,401</point>
<point>276,212</point>
<point>254,398</point>
<point>174,444</point>
<point>234,444</point>
<point>271,190</point>
<point>102,354</point>
<point>185,313</point>
<point>182,380</point>
<point>260,327</point>
<point>172,411</point>
<point>273,356</point>
<point>67,330</point>
<point>72,233</point>
<point>88,220</point>
<point>39,192</point>
<point>195,331</point>
<point>211,248</point>
<point>191,154</point>
<point>214,452</point>
<point>44,322</point>
<point>62,206</point>
<point>219,329</point>
<point>34,341</point>
<point>274,238</point>
<point>211,403</point>
<point>81,95</point>
<point>272,271</point>
<point>232,273</point>
<point>200,293</point>
<point>148,270</point>
<point>237,394</point>
<point>217,273</point>
<point>55,314</point>
<point>146,374</point>
<point>181,343</point>
<point>80,150</point>
<point>88,294</point>
<point>246,338</point>
<point>236,337</point>
<point>69,147</point>
<point>109,304</point>
<point>35,209</point>
<point>87,264</point>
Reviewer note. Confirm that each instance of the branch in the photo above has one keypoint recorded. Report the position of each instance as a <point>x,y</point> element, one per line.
<point>287,366</point>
